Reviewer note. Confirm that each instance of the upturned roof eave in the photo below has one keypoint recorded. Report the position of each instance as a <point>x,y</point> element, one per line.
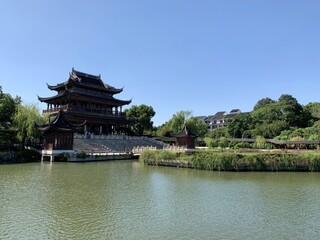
<point>184,132</point>
<point>55,97</point>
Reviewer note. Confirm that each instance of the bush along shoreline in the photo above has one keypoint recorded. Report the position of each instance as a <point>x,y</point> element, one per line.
<point>21,156</point>
<point>235,161</point>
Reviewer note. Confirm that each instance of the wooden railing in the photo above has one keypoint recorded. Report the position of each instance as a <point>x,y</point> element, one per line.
<point>84,109</point>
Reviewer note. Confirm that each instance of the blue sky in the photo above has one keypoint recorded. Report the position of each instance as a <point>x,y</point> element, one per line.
<point>202,55</point>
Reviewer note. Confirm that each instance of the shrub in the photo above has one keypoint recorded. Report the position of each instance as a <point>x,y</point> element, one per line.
<point>28,156</point>
<point>223,142</point>
<point>82,155</point>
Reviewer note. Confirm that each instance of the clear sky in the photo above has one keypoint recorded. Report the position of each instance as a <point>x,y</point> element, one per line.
<point>201,55</point>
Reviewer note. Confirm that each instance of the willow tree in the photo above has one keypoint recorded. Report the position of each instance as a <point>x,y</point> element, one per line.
<point>24,121</point>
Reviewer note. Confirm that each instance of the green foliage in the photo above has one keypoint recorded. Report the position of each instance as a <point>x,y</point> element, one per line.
<point>63,157</point>
<point>210,143</point>
<point>223,142</point>
<point>260,142</point>
<point>240,145</point>
<point>238,126</point>
<point>270,130</point>
<point>268,114</point>
<point>24,121</point>
<point>157,155</point>
<point>8,107</point>
<point>234,161</point>
<point>284,135</point>
<point>26,155</point>
<point>178,120</point>
<point>197,127</point>
<point>176,124</point>
<point>314,109</point>
<point>291,110</point>
<point>313,161</point>
<point>247,134</point>
<point>262,103</point>
<point>141,116</point>
<point>269,118</point>
<point>217,133</point>
<point>279,119</point>
<point>82,155</point>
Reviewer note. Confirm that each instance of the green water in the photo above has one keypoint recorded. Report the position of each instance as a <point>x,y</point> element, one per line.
<point>125,200</point>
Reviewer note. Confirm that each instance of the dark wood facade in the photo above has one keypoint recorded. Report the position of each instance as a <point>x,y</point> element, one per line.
<point>185,138</point>
<point>85,97</point>
<point>58,134</point>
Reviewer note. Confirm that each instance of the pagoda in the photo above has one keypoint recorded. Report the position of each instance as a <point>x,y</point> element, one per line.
<point>85,97</point>
<point>58,136</point>
<point>185,138</point>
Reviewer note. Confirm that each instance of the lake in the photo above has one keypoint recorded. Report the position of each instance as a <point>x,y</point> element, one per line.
<point>127,200</point>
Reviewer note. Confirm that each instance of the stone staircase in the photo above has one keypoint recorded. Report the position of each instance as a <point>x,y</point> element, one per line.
<point>112,143</point>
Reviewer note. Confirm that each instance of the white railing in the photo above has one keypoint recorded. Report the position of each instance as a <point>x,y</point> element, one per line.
<point>112,137</point>
<point>138,150</point>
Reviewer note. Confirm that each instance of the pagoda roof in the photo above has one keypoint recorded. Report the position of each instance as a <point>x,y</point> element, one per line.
<point>60,123</point>
<point>184,132</point>
<point>65,93</point>
<point>86,80</point>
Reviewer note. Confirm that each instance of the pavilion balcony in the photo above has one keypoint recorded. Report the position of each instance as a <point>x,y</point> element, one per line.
<point>55,109</point>
<point>84,110</point>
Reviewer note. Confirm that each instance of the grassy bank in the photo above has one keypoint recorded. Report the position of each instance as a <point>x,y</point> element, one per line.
<point>236,161</point>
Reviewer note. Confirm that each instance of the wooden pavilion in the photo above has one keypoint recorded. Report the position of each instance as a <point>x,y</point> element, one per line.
<point>185,138</point>
<point>85,97</point>
<point>58,136</point>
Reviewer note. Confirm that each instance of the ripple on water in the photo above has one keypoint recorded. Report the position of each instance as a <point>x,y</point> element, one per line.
<point>123,200</point>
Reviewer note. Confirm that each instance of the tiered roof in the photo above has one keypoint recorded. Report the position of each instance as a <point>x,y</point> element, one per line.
<point>59,124</point>
<point>86,81</point>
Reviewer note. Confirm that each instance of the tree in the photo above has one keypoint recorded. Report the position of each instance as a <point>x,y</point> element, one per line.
<point>314,109</point>
<point>262,103</point>
<point>141,116</point>
<point>237,126</point>
<point>8,107</point>
<point>164,130</point>
<point>178,120</point>
<point>217,133</point>
<point>176,123</point>
<point>311,113</point>
<point>291,110</point>
<point>267,114</point>
<point>270,130</point>
<point>197,127</point>
<point>24,122</point>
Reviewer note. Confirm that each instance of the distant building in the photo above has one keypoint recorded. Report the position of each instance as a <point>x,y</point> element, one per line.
<point>219,119</point>
<point>233,113</point>
<point>201,118</point>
